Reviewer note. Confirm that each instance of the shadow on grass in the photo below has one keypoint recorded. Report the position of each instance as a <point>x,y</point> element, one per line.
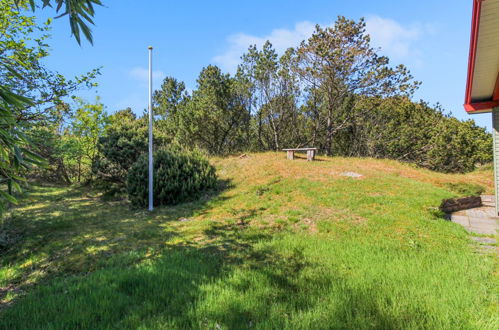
<point>159,291</point>
<point>304,157</point>
<point>98,265</point>
<point>239,281</point>
<point>119,296</point>
<point>68,231</point>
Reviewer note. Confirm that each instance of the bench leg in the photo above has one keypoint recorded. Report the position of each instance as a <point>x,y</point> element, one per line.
<point>290,154</point>
<point>310,155</point>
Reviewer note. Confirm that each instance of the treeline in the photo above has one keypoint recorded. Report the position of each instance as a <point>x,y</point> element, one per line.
<point>393,127</point>
<point>334,92</point>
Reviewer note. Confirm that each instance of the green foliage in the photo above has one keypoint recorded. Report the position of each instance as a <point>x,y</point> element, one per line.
<point>169,102</point>
<point>169,99</point>
<point>55,149</point>
<point>23,46</point>
<point>123,142</point>
<point>81,137</point>
<point>178,177</point>
<point>275,93</point>
<point>215,119</point>
<point>15,157</point>
<point>28,91</point>
<point>416,133</point>
<point>459,146</point>
<point>466,189</point>
<point>80,13</point>
<point>338,62</point>
<point>70,143</point>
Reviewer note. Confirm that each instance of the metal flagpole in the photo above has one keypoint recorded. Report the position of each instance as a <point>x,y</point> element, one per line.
<point>150,133</point>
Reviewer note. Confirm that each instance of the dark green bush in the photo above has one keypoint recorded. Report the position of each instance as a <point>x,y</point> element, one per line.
<point>178,176</point>
<point>124,141</point>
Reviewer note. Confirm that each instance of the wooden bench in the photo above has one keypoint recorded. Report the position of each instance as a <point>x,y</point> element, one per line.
<point>310,153</point>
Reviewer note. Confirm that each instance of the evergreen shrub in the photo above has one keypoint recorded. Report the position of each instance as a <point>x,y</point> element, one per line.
<point>179,176</point>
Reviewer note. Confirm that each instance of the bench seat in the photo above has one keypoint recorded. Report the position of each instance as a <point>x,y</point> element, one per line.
<point>290,152</point>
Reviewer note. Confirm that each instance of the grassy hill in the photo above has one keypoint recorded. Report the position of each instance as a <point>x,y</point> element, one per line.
<point>280,244</point>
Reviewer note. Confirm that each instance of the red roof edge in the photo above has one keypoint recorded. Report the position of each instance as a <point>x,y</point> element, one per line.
<point>475,23</point>
<point>479,107</point>
<point>495,96</point>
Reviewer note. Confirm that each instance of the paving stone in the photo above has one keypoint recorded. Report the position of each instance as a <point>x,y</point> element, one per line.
<point>479,213</point>
<point>484,240</point>
<point>492,213</point>
<point>463,220</point>
<point>487,249</point>
<point>462,213</point>
<point>481,230</point>
<point>487,198</point>
<point>480,220</point>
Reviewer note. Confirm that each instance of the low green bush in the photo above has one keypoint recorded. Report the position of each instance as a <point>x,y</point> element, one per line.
<point>179,176</point>
<point>466,189</point>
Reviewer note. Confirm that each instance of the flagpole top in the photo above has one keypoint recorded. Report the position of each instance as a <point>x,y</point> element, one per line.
<point>150,47</point>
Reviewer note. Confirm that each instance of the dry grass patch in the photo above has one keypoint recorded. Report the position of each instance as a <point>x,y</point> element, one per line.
<point>258,169</point>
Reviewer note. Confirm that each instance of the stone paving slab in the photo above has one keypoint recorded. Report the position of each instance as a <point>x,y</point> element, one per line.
<point>484,240</point>
<point>482,230</point>
<point>482,212</point>
<point>488,200</point>
<point>461,219</point>
<point>480,220</point>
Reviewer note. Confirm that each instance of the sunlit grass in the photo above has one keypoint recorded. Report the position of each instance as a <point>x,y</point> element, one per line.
<point>280,244</point>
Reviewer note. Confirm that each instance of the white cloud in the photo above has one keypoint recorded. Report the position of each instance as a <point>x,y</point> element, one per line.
<point>142,75</point>
<point>395,40</point>
<point>137,99</point>
<point>281,39</point>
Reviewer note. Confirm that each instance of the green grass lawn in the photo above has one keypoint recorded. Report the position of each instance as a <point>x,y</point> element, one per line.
<point>280,244</point>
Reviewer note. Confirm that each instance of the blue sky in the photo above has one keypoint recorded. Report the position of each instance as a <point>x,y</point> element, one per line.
<point>431,37</point>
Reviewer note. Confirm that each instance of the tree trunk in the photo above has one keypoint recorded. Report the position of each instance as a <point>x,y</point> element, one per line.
<point>275,131</point>
<point>79,170</point>
<point>329,135</point>
<point>276,140</point>
<point>260,128</point>
<point>63,173</point>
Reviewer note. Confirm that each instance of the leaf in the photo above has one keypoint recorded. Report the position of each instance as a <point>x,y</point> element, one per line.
<point>8,197</point>
<point>14,99</point>
<point>18,178</point>
<point>16,186</point>
<point>32,155</point>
